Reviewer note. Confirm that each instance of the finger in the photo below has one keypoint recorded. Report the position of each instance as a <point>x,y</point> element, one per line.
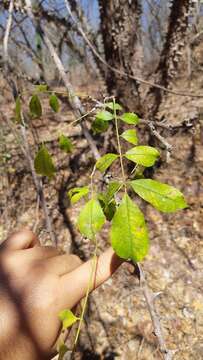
<point>23,239</point>
<point>41,253</point>
<point>62,264</point>
<point>74,284</point>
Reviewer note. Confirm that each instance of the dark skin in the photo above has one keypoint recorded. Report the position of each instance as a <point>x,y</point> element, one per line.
<point>36,283</point>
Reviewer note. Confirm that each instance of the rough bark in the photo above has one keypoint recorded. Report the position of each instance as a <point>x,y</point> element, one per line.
<point>171,53</point>
<point>120,30</point>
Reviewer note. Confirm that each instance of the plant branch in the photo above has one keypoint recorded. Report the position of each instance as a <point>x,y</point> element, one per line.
<point>74,101</point>
<point>150,301</point>
<point>37,183</point>
<point>6,35</point>
<point>119,145</point>
<point>123,73</point>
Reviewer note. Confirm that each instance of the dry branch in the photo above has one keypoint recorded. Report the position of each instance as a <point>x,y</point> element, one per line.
<point>123,73</point>
<point>6,35</point>
<point>26,147</point>
<point>150,301</point>
<point>74,101</point>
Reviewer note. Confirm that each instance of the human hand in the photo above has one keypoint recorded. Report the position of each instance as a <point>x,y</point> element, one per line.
<point>36,283</point>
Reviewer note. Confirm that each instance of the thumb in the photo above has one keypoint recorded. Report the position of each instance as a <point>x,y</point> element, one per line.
<point>74,285</point>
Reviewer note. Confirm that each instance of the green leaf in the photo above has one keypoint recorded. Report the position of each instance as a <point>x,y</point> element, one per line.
<point>54,103</point>
<point>65,144</point>
<point>41,88</point>
<point>68,318</point>
<point>162,196</point>
<point>105,161</point>
<point>18,117</point>
<point>91,219</point>
<point>129,235</point>
<point>143,155</point>
<point>104,115</point>
<point>130,136</point>
<point>109,210</point>
<point>99,126</point>
<point>35,106</point>
<point>112,105</point>
<point>43,162</point>
<point>77,193</point>
<point>130,118</point>
<point>111,190</point>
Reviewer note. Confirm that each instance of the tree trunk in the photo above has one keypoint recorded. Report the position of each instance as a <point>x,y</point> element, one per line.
<point>120,30</point>
<point>171,53</point>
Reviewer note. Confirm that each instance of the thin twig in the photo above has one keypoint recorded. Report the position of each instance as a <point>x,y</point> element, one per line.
<point>150,301</point>
<point>156,134</point>
<point>38,186</point>
<point>37,183</point>
<point>74,101</point>
<point>123,73</point>
<point>6,35</point>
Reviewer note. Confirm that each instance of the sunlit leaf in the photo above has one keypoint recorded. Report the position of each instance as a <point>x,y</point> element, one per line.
<point>41,88</point>
<point>130,118</point>
<point>35,106</point>
<point>68,318</point>
<point>54,103</point>
<point>130,136</point>
<point>65,144</point>
<point>99,126</point>
<point>143,155</point>
<point>104,115</point>
<point>18,117</point>
<point>113,106</point>
<point>43,162</point>
<point>77,193</point>
<point>129,235</point>
<point>105,161</point>
<point>162,196</point>
<point>91,219</point>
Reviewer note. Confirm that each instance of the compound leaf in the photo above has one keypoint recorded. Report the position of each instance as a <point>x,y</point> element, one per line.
<point>35,106</point>
<point>91,219</point>
<point>68,318</point>
<point>77,193</point>
<point>130,136</point>
<point>43,162</point>
<point>143,155</point>
<point>130,118</point>
<point>105,115</point>
<point>65,144</point>
<point>112,106</point>
<point>105,161</point>
<point>129,235</point>
<point>54,103</point>
<point>163,197</point>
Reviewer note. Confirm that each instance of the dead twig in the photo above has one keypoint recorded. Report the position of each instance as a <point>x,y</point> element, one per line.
<point>150,301</point>
<point>24,145</point>
<point>74,101</point>
<point>123,73</point>
<point>6,35</point>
